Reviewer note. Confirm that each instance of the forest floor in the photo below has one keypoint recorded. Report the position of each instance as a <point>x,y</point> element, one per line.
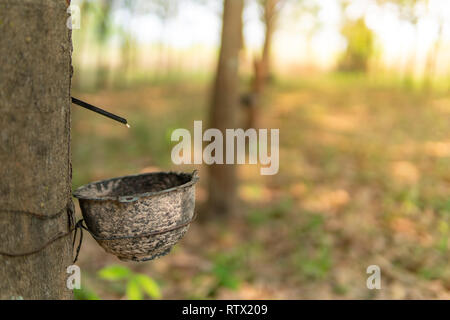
<point>364,180</point>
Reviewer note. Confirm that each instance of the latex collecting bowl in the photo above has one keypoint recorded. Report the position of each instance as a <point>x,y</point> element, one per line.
<point>140,217</point>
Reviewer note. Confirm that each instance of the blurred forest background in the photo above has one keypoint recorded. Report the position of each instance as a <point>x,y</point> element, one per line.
<point>360,92</point>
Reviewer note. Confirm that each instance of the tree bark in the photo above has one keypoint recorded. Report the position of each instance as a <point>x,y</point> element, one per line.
<point>35,167</point>
<point>225,102</point>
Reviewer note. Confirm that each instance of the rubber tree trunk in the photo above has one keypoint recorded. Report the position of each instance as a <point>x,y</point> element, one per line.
<point>270,19</point>
<point>35,168</point>
<point>225,103</point>
<point>261,66</point>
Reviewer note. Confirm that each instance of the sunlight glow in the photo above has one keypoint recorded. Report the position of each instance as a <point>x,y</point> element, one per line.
<point>303,39</point>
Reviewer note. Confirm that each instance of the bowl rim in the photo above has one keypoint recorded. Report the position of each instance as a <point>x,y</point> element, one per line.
<point>134,197</point>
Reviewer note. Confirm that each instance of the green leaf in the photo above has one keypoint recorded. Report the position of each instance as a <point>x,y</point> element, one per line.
<point>133,291</point>
<point>85,294</point>
<point>114,273</point>
<point>150,287</point>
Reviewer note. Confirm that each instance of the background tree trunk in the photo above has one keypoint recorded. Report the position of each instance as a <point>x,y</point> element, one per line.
<point>261,66</point>
<point>225,102</point>
<point>35,168</point>
<point>270,16</point>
